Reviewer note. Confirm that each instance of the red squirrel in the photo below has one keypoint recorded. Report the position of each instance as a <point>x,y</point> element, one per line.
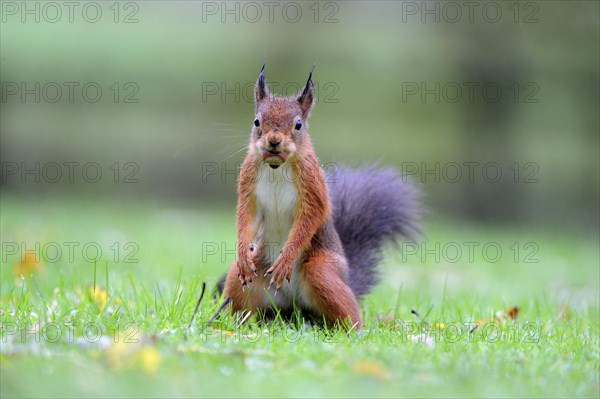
<point>304,243</point>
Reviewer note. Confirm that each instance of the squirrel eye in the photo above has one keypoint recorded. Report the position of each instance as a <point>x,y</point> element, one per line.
<point>298,124</point>
<point>256,122</point>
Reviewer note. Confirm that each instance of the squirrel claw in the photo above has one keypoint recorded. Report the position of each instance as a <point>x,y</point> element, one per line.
<point>245,281</point>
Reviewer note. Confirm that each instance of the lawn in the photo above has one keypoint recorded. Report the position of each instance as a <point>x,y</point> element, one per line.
<point>116,325</point>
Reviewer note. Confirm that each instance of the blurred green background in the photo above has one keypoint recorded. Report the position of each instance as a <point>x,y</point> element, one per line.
<point>176,81</point>
<point>161,107</point>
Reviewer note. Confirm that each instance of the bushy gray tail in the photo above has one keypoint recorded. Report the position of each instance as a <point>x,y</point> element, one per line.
<point>372,207</point>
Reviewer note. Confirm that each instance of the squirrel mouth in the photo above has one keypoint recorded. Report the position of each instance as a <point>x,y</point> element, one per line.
<point>274,158</point>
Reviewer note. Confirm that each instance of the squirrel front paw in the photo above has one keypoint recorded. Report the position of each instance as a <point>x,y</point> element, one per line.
<point>280,270</point>
<point>246,268</point>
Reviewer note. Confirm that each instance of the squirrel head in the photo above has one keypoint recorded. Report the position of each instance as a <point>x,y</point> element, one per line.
<point>279,130</point>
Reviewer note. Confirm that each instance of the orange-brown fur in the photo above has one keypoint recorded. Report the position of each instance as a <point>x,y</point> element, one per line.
<point>311,270</point>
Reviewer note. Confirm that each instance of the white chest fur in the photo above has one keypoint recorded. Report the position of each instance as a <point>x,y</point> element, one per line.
<point>276,197</point>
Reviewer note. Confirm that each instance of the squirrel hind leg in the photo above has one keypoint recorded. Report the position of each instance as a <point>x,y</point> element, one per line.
<point>332,297</point>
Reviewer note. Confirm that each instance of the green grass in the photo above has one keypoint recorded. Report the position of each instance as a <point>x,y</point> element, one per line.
<point>539,354</point>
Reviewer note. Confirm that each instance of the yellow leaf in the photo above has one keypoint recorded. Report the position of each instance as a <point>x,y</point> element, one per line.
<point>28,263</point>
<point>149,359</point>
<point>119,355</point>
<point>371,368</point>
<point>97,295</point>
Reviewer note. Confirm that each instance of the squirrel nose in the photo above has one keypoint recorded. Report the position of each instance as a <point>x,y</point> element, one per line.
<point>274,142</point>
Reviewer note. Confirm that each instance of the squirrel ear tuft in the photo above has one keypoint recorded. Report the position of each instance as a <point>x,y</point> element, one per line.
<point>307,96</point>
<point>260,90</point>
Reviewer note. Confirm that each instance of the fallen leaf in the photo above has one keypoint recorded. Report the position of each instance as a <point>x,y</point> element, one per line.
<point>149,359</point>
<point>565,313</point>
<point>478,322</point>
<point>27,264</point>
<point>512,312</point>
<point>371,368</point>
<point>97,294</point>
